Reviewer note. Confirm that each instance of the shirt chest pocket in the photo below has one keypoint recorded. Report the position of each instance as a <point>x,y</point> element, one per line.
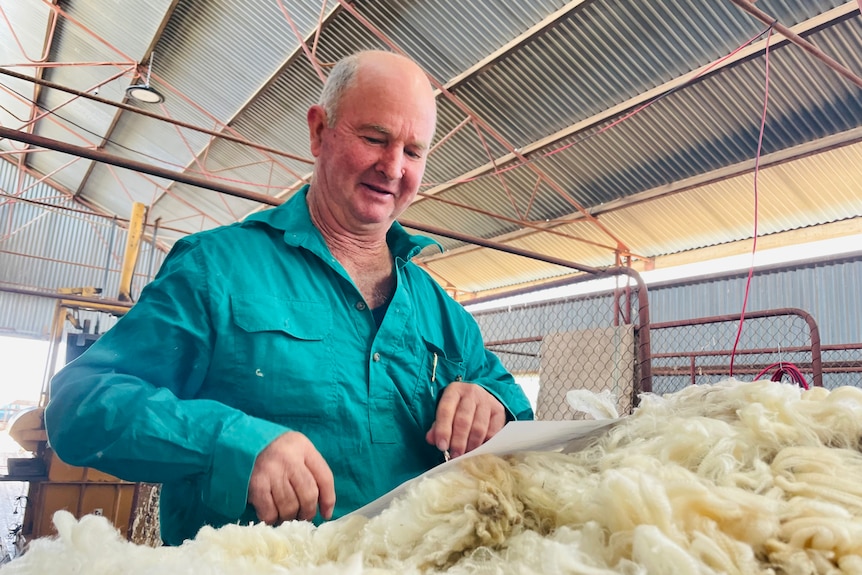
<point>282,364</point>
<point>438,369</point>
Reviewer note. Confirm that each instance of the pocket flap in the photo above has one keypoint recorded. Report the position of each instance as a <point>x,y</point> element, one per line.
<point>301,319</point>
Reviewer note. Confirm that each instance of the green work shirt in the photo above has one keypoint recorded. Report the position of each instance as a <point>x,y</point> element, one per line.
<point>254,329</point>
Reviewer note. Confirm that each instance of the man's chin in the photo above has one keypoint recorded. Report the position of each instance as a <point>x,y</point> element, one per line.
<point>380,211</point>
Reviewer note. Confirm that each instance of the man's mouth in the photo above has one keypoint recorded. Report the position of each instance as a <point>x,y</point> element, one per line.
<point>378,189</point>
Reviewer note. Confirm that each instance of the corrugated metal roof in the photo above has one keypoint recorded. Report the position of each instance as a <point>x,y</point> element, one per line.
<point>545,75</point>
<point>693,131</point>
<point>726,209</point>
<point>465,30</point>
<point>664,225</point>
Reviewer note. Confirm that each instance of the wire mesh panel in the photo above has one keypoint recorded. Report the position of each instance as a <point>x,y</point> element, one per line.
<point>588,342</point>
<point>842,365</point>
<point>599,360</point>
<point>701,351</point>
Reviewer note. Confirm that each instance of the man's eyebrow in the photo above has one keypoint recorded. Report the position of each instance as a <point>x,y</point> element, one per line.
<point>377,128</point>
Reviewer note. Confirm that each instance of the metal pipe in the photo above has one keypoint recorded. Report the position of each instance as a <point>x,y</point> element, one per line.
<point>153,250</point>
<point>427,228</point>
<point>515,341</point>
<point>721,370</point>
<point>114,160</point>
<point>76,211</point>
<point>128,108</point>
<point>108,256</point>
<point>733,317</point>
<point>64,296</point>
<point>121,162</point>
<point>816,352</point>
<point>799,41</point>
<point>841,347</point>
<point>106,158</point>
<point>47,259</point>
<point>621,246</point>
<point>723,352</point>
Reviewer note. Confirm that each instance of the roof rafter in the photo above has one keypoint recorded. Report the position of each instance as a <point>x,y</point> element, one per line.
<point>812,148</point>
<point>826,18</point>
<point>515,43</point>
<point>480,122</point>
<point>119,112</point>
<point>297,52</point>
<point>539,28</point>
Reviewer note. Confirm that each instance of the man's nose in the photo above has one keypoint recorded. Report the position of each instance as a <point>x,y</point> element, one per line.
<point>391,164</point>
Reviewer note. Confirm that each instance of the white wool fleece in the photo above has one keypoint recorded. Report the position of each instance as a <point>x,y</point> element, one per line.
<point>736,478</point>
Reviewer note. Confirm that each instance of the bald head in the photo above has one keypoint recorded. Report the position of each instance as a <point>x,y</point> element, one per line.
<point>370,135</point>
<point>389,70</point>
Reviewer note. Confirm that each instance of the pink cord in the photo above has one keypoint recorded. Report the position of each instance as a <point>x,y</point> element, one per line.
<point>787,369</point>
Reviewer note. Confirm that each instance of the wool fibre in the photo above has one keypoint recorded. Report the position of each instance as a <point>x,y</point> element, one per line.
<point>736,478</point>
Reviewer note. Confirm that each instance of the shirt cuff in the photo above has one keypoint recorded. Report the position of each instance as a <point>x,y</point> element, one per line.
<point>236,450</point>
<point>510,414</point>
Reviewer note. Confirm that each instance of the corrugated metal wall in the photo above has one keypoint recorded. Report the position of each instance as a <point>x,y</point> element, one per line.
<point>829,291</point>
<point>43,248</point>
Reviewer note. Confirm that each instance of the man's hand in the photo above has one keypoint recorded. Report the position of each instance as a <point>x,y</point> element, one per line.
<point>290,478</point>
<point>467,417</point>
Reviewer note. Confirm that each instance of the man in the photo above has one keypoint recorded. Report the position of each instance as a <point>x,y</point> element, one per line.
<point>295,365</point>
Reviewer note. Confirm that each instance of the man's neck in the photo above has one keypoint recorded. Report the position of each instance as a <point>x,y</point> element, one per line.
<point>365,258</point>
<point>346,245</point>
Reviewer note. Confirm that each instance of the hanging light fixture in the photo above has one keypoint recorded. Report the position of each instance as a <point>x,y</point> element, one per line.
<point>145,93</point>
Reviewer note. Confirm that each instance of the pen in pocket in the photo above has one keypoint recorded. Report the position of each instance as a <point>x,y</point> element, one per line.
<point>434,368</point>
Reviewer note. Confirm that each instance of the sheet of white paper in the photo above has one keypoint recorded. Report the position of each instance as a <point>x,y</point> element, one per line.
<point>514,437</point>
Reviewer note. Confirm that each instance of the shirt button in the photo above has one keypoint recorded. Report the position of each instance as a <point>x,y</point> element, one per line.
<point>376,356</point>
<point>360,305</point>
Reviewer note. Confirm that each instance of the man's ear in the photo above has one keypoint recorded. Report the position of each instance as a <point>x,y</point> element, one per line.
<point>316,117</point>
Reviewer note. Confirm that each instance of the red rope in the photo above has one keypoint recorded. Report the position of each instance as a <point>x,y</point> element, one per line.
<point>756,202</point>
<point>787,369</point>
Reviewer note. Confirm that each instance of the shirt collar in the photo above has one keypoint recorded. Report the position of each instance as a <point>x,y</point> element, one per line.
<point>293,219</point>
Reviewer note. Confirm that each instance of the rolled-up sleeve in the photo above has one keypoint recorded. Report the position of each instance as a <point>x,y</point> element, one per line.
<point>129,405</point>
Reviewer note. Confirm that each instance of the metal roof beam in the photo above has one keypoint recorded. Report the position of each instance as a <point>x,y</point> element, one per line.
<point>826,18</point>
<point>850,137</point>
<point>119,111</point>
<point>299,50</point>
<point>481,123</point>
<point>800,41</point>
<point>166,119</point>
<point>537,29</point>
<point>515,43</point>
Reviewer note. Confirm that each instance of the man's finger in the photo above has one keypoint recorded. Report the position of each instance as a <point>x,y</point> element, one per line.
<point>462,424</point>
<point>261,499</point>
<point>479,429</point>
<point>285,499</point>
<point>325,482</point>
<point>445,416</point>
<point>305,489</point>
<point>498,420</point>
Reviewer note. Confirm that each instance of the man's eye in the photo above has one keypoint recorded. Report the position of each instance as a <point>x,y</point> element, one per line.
<point>415,155</point>
<point>372,140</point>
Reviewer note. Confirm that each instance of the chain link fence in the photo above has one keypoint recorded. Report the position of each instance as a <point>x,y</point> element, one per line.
<point>589,342</point>
<point>605,343</point>
<point>842,365</point>
<point>701,350</point>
